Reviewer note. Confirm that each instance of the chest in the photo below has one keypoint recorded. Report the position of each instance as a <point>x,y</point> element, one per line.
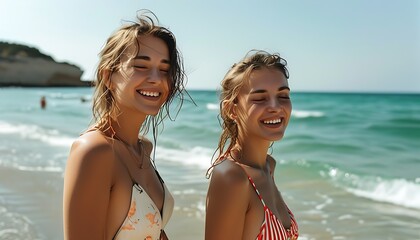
<point>264,192</point>
<point>134,194</point>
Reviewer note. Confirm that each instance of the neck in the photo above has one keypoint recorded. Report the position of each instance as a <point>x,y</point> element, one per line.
<point>253,154</point>
<point>126,129</point>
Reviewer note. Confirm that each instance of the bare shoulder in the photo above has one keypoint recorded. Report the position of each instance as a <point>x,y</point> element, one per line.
<point>230,172</point>
<point>230,175</point>
<point>88,180</point>
<point>90,151</point>
<point>228,201</point>
<point>92,144</point>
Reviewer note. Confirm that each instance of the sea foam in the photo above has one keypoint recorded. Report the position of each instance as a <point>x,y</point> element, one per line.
<point>33,132</point>
<point>196,156</point>
<point>399,191</point>
<point>307,114</point>
<point>212,106</point>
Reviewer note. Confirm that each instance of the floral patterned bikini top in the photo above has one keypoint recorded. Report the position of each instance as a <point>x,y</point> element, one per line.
<point>144,220</point>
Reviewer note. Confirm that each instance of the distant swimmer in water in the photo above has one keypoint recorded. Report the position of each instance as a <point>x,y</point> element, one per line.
<point>83,99</point>
<point>43,102</point>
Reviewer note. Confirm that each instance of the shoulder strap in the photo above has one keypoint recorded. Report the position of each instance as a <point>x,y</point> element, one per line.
<point>157,173</point>
<point>128,171</point>
<point>252,183</point>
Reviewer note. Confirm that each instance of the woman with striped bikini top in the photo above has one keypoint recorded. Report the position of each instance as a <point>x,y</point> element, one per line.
<point>255,108</point>
<point>271,227</point>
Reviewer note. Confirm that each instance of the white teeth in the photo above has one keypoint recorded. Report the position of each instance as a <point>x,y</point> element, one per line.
<point>149,94</point>
<point>275,121</point>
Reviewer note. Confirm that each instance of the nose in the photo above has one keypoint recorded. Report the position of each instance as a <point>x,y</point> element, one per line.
<point>274,105</point>
<point>155,76</point>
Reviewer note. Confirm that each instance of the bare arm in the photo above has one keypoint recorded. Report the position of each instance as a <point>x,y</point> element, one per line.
<point>87,183</point>
<point>227,202</point>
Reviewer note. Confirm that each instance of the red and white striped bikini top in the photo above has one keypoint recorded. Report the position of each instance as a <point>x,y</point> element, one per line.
<point>272,228</point>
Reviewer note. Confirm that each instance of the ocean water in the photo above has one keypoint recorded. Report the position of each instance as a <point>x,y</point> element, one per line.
<point>348,166</point>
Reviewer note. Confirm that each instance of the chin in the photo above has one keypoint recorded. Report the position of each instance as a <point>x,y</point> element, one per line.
<point>150,111</point>
<point>277,137</point>
<point>153,113</point>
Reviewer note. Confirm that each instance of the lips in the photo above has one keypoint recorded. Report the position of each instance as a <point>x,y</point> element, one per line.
<point>273,122</point>
<point>149,93</point>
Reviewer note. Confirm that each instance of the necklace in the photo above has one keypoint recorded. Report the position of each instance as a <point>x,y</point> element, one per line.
<point>136,154</point>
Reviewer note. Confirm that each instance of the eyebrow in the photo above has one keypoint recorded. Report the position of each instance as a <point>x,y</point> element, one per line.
<point>263,91</point>
<point>147,58</point>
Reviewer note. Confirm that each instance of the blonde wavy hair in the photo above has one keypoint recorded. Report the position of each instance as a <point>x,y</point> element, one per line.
<point>231,85</point>
<point>104,105</point>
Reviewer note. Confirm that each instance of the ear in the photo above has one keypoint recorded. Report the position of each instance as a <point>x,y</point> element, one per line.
<point>234,114</point>
<point>106,77</point>
<point>230,109</point>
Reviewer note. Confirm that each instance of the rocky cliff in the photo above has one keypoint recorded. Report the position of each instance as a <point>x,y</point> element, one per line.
<point>21,65</point>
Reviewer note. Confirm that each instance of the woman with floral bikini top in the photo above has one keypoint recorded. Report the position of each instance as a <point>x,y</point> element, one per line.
<point>243,201</point>
<point>112,189</point>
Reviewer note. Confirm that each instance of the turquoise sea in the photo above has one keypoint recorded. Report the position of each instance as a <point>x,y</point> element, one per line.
<point>348,166</point>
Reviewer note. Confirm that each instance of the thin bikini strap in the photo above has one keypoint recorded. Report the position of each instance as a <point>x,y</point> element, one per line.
<point>129,173</point>
<point>115,154</point>
<point>157,173</point>
<point>163,188</point>
<point>134,181</point>
<point>252,183</point>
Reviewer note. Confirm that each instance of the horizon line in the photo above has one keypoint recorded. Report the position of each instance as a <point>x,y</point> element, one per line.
<point>327,91</point>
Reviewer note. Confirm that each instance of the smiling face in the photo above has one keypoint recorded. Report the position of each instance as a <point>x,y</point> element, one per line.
<point>263,106</point>
<point>141,84</point>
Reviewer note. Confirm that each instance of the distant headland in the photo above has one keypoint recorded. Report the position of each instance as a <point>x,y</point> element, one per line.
<point>26,66</point>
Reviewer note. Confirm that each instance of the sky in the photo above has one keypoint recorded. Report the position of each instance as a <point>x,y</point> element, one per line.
<point>330,46</point>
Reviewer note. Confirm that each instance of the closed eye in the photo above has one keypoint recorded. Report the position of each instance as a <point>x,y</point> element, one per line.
<point>258,100</point>
<point>139,67</point>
